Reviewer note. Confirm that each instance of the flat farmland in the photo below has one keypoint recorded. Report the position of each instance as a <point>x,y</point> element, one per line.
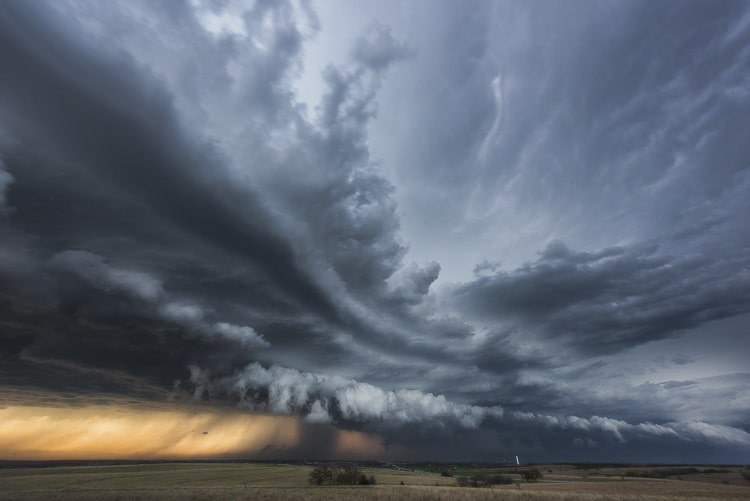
<point>224,481</point>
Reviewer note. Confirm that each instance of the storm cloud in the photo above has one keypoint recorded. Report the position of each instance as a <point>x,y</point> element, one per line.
<point>611,299</point>
<point>516,227</point>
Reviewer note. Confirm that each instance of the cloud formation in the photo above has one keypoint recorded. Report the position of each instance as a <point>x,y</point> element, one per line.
<point>92,269</point>
<point>475,228</point>
<point>323,398</point>
<point>685,430</point>
<point>611,299</point>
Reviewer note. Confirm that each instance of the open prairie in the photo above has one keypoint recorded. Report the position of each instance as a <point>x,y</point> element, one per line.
<point>282,481</point>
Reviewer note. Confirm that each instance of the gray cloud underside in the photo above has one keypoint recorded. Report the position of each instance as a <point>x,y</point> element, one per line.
<point>604,301</point>
<point>326,399</point>
<point>170,211</point>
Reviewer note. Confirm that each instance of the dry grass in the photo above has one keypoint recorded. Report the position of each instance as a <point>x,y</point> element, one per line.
<point>289,482</point>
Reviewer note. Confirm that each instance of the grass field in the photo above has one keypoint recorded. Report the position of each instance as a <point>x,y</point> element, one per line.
<point>287,482</point>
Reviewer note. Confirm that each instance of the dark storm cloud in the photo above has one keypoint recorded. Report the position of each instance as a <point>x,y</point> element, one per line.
<point>101,167</point>
<point>612,299</point>
<point>149,211</point>
<point>175,224</point>
<point>139,153</point>
<point>127,218</point>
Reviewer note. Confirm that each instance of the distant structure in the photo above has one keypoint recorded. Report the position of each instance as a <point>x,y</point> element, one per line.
<point>517,463</point>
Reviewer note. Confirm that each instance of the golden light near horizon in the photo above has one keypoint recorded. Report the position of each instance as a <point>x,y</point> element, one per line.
<point>358,444</point>
<point>103,432</point>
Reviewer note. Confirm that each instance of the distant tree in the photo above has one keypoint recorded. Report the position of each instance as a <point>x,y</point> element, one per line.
<point>531,475</point>
<point>349,475</point>
<point>501,480</point>
<point>345,475</point>
<point>446,473</point>
<point>321,475</point>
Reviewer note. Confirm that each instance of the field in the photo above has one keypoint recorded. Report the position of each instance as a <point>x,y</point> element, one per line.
<point>287,482</point>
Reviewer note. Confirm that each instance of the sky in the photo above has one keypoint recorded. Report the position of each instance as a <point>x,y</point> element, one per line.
<point>422,230</point>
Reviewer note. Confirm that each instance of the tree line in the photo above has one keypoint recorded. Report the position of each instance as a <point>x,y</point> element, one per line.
<point>342,475</point>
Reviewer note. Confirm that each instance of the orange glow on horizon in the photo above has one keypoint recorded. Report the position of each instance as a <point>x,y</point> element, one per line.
<point>105,432</point>
<point>359,445</point>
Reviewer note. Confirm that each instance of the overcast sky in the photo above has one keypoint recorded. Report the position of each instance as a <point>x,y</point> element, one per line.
<point>450,230</point>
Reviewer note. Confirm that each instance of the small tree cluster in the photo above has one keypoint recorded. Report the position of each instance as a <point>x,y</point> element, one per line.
<point>321,475</point>
<point>345,475</point>
<point>531,475</point>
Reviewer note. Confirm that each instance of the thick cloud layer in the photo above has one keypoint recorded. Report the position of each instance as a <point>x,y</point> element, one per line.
<point>325,398</point>
<point>513,227</point>
<point>611,299</point>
